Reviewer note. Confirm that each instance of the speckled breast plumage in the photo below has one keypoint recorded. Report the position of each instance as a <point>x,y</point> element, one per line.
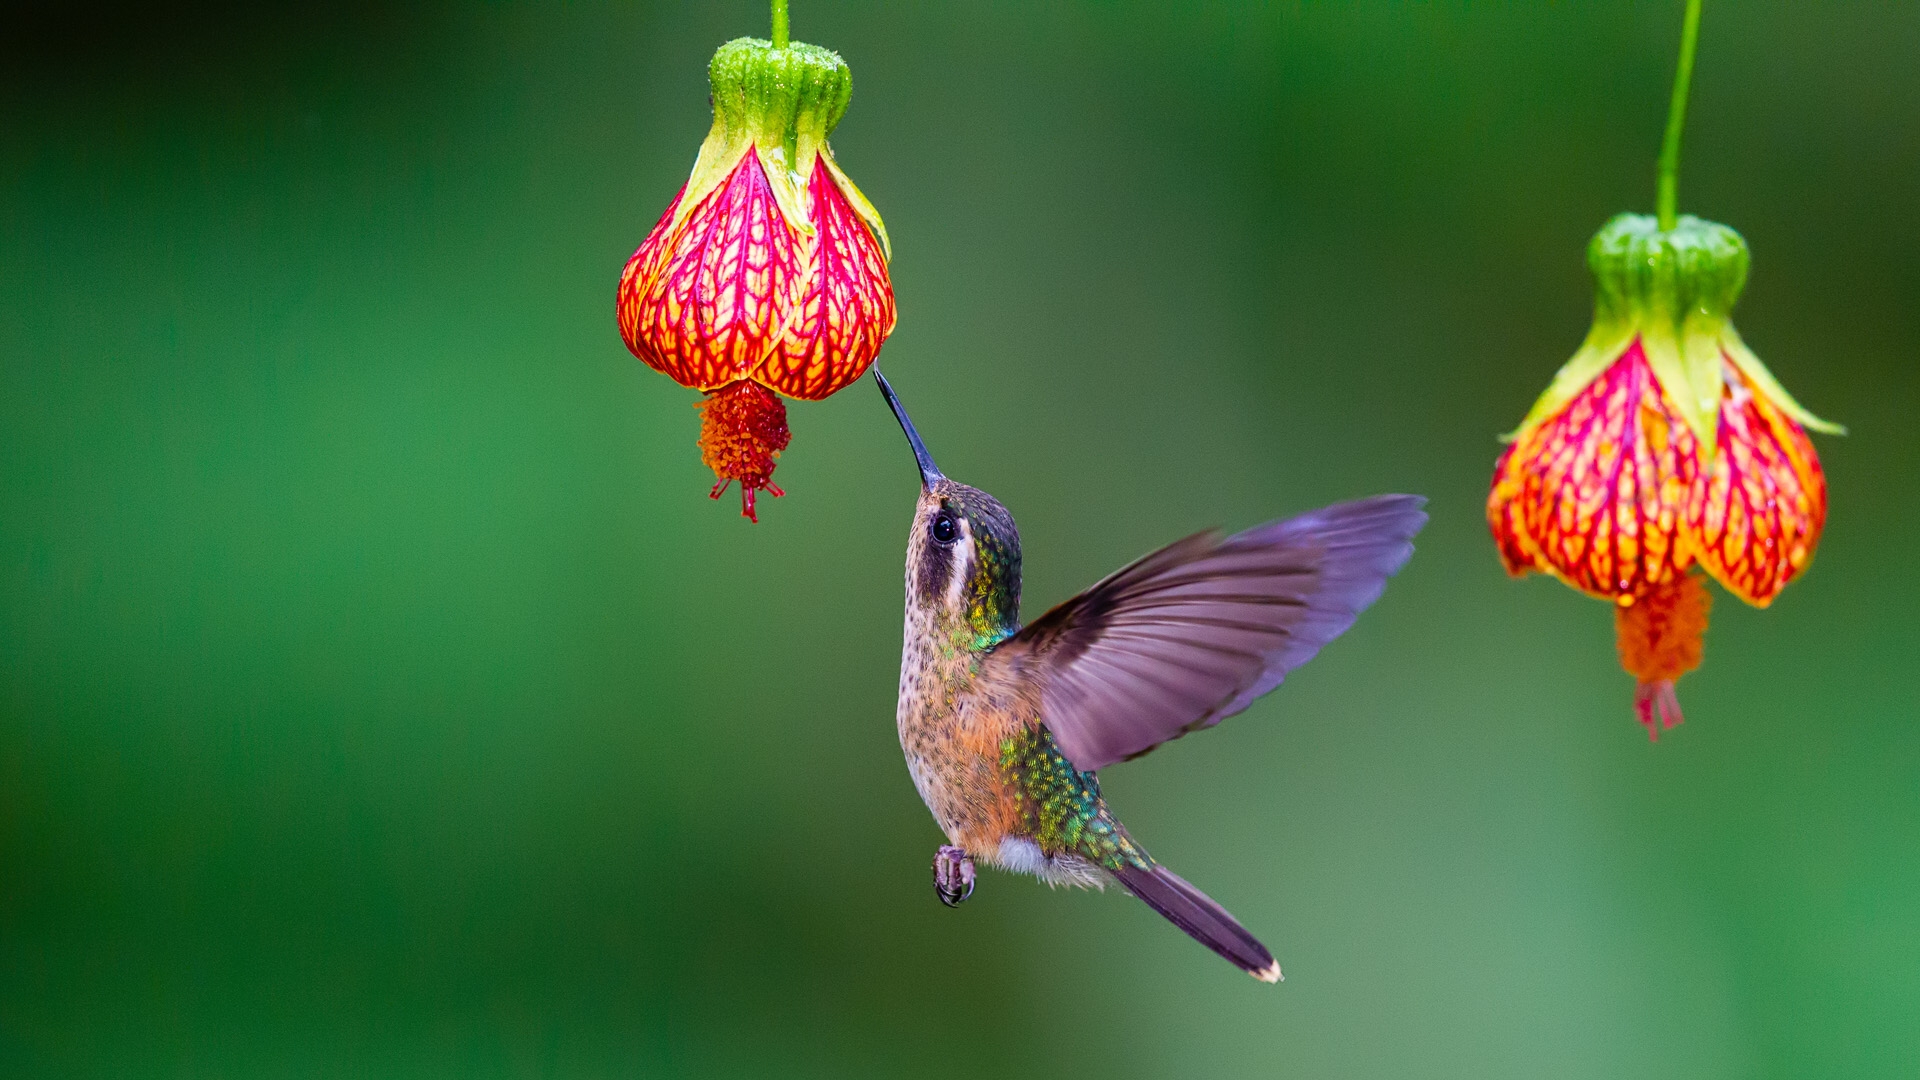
<point>991,773</point>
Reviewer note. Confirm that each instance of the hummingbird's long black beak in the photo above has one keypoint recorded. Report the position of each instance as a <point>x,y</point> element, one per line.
<point>929,472</point>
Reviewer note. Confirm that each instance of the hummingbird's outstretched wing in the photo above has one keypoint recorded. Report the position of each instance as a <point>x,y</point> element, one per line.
<point>1194,632</point>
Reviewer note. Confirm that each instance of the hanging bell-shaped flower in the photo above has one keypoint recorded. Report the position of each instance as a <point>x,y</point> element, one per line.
<point>1662,444</point>
<point>767,275</point>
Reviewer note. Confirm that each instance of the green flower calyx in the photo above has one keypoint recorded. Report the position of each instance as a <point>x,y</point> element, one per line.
<point>1673,290</point>
<point>783,103</point>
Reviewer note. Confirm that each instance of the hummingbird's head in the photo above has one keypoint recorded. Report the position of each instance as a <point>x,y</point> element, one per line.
<point>963,553</point>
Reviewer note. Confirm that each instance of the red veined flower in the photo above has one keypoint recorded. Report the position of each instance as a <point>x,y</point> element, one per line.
<point>1663,445</point>
<point>767,275</point>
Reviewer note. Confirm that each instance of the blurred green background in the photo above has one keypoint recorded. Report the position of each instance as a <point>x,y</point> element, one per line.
<point>380,694</point>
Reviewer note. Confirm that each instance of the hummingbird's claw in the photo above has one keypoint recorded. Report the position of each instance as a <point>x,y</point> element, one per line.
<point>952,875</point>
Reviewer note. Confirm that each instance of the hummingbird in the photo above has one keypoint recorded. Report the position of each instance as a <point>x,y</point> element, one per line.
<point>1005,726</point>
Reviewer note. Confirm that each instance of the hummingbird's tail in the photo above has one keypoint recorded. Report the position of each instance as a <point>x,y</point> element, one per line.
<point>1205,921</point>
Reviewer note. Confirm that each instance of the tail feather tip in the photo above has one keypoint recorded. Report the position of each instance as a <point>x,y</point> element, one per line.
<point>1201,918</point>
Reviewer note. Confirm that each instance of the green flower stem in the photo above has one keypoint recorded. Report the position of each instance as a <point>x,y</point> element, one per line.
<point>1669,199</point>
<point>780,22</point>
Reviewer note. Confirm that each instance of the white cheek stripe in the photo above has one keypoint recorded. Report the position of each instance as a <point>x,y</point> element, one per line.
<point>959,565</point>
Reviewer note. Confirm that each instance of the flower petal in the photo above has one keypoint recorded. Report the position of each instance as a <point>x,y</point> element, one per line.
<point>638,272</point>
<point>847,310</point>
<point>1594,493</point>
<point>1690,378</point>
<point>1754,514</point>
<point>1606,340</point>
<point>708,302</point>
<point>859,200</point>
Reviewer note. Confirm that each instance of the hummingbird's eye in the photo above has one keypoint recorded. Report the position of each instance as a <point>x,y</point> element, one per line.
<point>945,530</point>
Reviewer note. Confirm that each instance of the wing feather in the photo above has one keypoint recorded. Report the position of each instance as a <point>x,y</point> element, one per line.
<point>1193,633</point>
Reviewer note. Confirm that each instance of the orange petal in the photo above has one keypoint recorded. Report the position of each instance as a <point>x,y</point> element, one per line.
<point>634,279</point>
<point>1754,515</point>
<point>706,302</point>
<point>1594,493</point>
<point>847,310</point>
<point>1507,519</point>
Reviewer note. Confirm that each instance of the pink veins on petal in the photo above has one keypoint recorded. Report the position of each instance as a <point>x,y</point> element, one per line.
<point>848,308</point>
<point>1595,492</point>
<point>713,309</point>
<point>1757,510</point>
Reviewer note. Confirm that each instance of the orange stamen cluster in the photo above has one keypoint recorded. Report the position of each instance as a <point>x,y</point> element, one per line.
<point>1659,635</point>
<point>743,428</point>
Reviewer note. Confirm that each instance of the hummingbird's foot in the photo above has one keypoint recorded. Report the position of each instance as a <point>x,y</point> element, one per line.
<point>952,875</point>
